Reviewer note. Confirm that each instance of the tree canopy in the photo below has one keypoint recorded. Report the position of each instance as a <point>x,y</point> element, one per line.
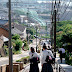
<point>63,33</point>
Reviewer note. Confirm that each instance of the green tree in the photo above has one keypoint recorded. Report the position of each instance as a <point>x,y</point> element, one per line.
<point>64,33</point>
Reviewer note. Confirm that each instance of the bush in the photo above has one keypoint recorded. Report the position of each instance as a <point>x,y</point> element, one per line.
<point>24,59</point>
<point>16,52</point>
<point>16,36</point>
<point>6,50</point>
<point>68,59</point>
<point>26,48</point>
<point>25,43</point>
<point>18,45</point>
<point>32,37</point>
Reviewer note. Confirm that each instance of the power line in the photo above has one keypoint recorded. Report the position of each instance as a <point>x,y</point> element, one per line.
<point>63,5</point>
<point>66,15</point>
<point>65,9</point>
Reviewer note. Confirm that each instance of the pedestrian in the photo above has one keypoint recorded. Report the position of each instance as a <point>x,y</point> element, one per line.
<point>62,53</point>
<point>34,60</point>
<point>46,66</point>
<point>44,44</point>
<point>49,48</point>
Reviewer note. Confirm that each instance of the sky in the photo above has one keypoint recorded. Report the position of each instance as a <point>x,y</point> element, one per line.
<point>37,0</point>
<point>29,0</point>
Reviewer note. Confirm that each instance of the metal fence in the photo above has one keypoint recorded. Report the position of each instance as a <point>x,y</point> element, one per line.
<point>59,68</point>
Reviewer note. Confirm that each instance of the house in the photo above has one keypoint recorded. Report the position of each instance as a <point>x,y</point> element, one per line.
<point>1,41</point>
<point>3,22</point>
<point>19,29</point>
<point>4,31</point>
<point>16,29</point>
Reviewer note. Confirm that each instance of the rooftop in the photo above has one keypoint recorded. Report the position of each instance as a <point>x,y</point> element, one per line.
<point>16,31</point>
<point>3,22</point>
<point>19,27</point>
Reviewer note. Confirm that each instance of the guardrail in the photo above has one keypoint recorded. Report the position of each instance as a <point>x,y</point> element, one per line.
<point>59,68</point>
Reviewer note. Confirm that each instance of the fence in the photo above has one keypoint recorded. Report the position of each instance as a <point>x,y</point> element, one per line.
<point>59,68</point>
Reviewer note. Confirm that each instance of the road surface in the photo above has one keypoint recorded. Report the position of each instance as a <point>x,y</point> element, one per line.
<point>5,60</point>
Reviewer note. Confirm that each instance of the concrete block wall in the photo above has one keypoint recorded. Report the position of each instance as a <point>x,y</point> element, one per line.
<point>20,63</point>
<point>3,68</point>
<point>16,67</point>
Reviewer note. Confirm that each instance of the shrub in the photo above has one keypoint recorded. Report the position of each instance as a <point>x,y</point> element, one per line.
<point>18,45</point>
<point>16,36</point>
<point>6,50</point>
<point>24,59</point>
<point>26,48</point>
<point>32,37</point>
<point>25,43</point>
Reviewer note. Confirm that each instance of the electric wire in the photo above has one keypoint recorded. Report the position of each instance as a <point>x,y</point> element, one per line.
<point>65,10</point>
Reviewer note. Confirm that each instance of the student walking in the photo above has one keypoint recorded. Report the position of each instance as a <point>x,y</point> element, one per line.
<point>62,53</point>
<point>34,60</point>
<point>46,66</point>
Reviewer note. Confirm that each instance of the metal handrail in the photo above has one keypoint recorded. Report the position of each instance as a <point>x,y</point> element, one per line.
<point>59,68</point>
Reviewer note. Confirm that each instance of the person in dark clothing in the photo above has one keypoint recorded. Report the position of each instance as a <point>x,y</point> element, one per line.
<point>46,67</point>
<point>33,61</point>
<point>62,53</point>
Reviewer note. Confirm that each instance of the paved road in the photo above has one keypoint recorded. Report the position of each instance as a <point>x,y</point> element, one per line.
<point>34,43</point>
<point>28,67</point>
<point>5,60</point>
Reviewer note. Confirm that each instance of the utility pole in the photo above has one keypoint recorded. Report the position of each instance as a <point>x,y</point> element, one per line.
<point>27,25</point>
<point>55,32</point>
<point>36,38</point>
<point>10,49</point>
<point>46,31</point>
<point>51,31</point>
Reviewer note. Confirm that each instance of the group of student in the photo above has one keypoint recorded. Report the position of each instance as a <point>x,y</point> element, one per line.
<point>45,59</point>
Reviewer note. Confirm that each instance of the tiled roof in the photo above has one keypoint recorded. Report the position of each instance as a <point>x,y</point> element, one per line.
<point>4,28</point>
<point>3,22</point>
<point>16,31</point>
<point>19,27</point>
